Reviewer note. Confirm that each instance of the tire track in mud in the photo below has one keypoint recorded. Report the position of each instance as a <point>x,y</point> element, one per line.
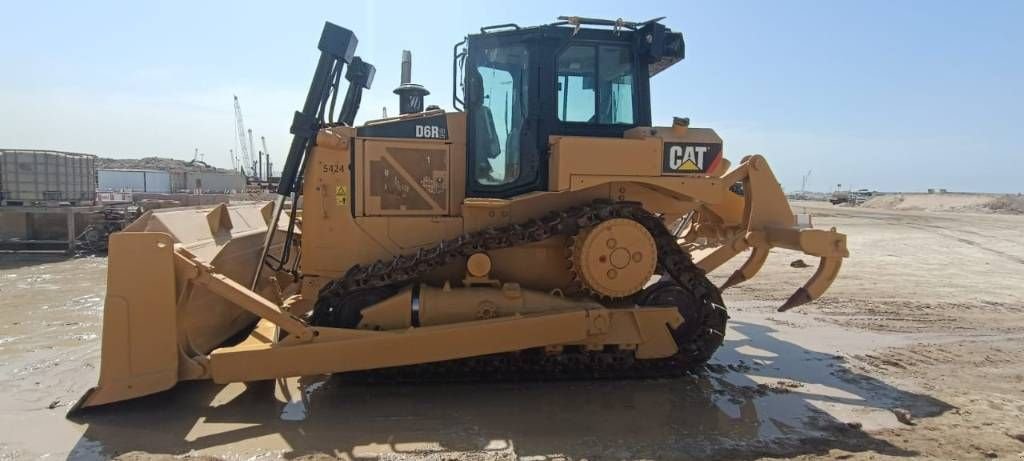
<point>950,234</point>
<point>902,317</point>
<point>980,376</point>
<point>936,354</point>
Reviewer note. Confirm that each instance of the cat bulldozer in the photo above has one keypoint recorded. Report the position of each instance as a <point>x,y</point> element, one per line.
<point>542,228</point>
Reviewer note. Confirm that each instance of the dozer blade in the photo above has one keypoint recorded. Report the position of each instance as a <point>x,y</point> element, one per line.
<point>157,325</point>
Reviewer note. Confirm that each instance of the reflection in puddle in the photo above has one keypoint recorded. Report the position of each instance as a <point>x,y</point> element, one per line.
<point>87,450</point>
<point>760,391</point>
<point>297,409</point>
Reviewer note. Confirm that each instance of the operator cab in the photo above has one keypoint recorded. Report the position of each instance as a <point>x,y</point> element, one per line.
<point>522,85</point>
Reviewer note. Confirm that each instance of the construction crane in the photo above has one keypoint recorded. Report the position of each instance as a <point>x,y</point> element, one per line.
<point>243,147</point>
<point>803,186</point>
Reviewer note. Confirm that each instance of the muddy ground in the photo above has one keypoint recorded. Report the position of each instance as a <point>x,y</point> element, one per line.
<point>926,320</point>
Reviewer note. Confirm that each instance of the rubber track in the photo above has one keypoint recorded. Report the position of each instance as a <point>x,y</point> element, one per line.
<point>572,363</point>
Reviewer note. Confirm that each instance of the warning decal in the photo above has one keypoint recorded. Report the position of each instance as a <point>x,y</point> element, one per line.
<point>341,196</point>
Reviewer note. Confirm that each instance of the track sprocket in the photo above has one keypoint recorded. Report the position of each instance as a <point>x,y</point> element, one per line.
<point>613,259</point>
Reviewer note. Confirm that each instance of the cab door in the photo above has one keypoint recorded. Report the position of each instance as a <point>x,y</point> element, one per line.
<point>501,94</point>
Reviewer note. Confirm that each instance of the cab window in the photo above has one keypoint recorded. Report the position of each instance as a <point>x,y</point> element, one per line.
<point>595,84</point>
<point>498,96</point>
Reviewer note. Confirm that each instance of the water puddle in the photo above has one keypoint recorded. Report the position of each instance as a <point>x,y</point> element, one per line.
<point>87,450</point>
<point>297,409</point>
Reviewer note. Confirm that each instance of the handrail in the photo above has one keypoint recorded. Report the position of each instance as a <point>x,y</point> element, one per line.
<point>496,27</point>
<point>456,102</point>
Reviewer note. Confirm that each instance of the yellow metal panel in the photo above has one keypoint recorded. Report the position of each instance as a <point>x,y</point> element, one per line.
<point>332,242</point>
<point>400,234</point>
<point>702,189</point>
<point>573,155</point>
<point>480,213</point>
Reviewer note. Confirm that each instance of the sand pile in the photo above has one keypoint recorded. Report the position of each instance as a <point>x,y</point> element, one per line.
<point>972,203</point>
<point>1007,204</point>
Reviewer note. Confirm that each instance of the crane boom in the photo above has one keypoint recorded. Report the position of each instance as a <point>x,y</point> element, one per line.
<point>243,147</point>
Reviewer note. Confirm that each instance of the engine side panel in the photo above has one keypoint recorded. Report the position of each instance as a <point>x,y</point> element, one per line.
<point>405,178</point>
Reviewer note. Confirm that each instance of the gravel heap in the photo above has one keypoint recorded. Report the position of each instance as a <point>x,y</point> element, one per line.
<point>156,163</point>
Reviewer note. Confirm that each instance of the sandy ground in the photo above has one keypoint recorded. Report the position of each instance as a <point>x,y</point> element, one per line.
<point>927,317</point>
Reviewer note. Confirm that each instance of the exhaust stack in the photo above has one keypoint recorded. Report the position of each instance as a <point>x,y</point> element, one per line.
<point>406,67</point>
<point>410,95</point>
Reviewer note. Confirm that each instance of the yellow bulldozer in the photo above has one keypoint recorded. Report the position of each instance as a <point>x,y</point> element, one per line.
<point>543,228</point>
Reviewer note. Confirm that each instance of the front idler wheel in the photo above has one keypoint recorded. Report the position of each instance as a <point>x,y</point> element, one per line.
<point>704,318</point>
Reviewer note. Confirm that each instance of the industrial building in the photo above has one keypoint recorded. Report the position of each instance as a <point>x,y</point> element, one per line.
<point>133,180</point>
<point>167,182</point>
<point>50,199</point>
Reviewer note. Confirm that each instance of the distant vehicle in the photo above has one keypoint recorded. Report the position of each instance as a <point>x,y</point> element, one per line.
<point>852,197</point>
<point>94,239</point>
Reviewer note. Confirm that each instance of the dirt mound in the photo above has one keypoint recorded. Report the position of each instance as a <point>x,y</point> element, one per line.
<point>971,203</point>
<point>156,163</point>
<point>1007,204</point>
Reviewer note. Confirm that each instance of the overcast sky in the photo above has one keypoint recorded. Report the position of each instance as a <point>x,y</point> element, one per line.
<point>883,95</point>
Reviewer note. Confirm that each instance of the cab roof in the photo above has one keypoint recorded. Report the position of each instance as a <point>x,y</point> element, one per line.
<point>663,46</point>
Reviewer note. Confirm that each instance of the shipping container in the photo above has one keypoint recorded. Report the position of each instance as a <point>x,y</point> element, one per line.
<point>29,177</point>
<point>211,182</point>
<point>134,180</point>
